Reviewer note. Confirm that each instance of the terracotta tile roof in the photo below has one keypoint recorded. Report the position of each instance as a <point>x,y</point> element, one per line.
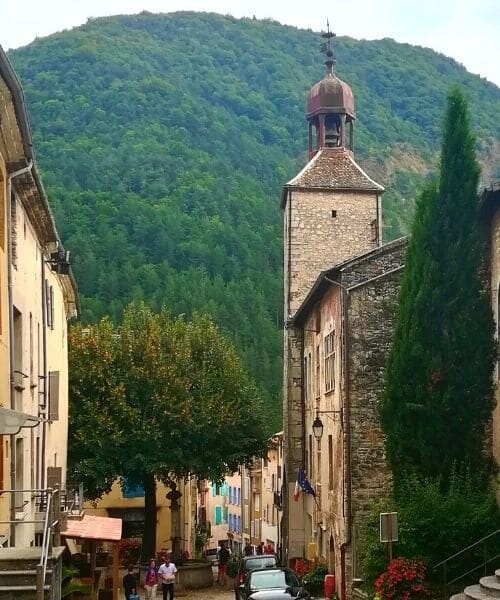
<point>90,527</point>
<point>334,168</point>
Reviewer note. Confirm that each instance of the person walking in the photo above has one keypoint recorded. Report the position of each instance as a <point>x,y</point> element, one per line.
<point>224,555</point>
<point>151,582</point>
<point>260,548</point>
<point>166,573</point>
<point>248,550</point>
<point>129,583</point>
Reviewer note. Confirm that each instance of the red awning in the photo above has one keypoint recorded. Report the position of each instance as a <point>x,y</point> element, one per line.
<point>105,529</point>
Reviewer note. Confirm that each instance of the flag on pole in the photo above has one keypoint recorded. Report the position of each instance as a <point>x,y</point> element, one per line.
<point>303,484</point>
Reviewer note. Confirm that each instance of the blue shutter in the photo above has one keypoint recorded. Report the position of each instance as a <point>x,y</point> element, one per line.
<point>214,489</point>
<point>218,515</point>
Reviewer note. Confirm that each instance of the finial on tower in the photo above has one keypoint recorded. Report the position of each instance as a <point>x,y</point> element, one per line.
<point>326,48</point>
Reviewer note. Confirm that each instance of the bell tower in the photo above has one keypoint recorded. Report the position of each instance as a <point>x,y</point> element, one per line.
<point>332,212</point>
<point>330,108</point>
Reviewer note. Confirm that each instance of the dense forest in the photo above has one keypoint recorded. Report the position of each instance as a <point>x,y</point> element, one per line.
<point>164,140</point>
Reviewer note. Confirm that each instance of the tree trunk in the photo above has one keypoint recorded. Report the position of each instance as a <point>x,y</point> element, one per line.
<point>149,534</point>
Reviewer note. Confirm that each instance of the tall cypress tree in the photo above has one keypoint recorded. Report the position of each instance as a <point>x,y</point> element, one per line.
<point>439,391</point>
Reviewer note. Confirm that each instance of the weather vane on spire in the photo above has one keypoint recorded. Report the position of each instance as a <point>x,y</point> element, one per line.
<point>326,47</point>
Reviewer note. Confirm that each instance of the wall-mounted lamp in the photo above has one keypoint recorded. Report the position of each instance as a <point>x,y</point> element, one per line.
<point>318,423</point>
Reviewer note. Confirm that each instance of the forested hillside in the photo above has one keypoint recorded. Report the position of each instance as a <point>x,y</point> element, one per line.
<point>164,141</point>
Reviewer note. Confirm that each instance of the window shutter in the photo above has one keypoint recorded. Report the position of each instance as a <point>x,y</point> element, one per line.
<point>53,395</point>
<point>54,477</point>
<point>218,515</point>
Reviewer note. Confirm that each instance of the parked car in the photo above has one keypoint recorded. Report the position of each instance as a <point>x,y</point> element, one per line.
<point>273,584</point>
<point>251,563</point>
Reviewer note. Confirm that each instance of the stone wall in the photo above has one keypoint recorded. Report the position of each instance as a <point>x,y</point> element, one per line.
<point>370,326</point>
<point>318,240</point>
<point>321,228</point>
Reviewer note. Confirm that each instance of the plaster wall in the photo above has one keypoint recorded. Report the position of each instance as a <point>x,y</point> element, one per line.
<point>4,347</point>
<point>31,380</point>
<point>115,504</point>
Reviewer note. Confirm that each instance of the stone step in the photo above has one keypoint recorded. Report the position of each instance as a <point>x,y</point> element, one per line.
<point>21,577</point>
<point>458,597</point>
<point>490,586</point>
<point>497,575</point>
<point>474,592</point>
<point>20,592</point>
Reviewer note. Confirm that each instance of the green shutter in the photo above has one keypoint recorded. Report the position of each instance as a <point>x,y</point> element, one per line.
<point>218,515</point>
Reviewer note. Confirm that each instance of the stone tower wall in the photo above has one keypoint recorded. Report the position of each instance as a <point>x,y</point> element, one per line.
<point>315,240</point>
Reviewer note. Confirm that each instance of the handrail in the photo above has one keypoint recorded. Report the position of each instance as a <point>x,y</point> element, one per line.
<point>484,563</point>
<point>486,537</point>
<point>41,569</point>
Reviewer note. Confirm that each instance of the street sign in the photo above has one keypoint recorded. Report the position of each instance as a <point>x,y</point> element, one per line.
<point>389,527</point>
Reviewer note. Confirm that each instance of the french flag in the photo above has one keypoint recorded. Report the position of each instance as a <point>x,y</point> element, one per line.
<point>302,483</point>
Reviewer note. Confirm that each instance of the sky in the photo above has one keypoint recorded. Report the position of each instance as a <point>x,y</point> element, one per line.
<point>467,30</point>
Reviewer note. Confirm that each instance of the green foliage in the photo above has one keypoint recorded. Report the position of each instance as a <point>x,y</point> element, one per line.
<point>313,580</point>
<point>70,585</point>
<point>439,393</point>
<point>436,520</point>
<point>149,397</point>
<point>233,566</point>
<point>164,141</point>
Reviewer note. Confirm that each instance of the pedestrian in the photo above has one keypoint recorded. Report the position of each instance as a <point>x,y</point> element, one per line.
<point>248,550</point>
<point>260,548</point>
<point>224,555</point>
<point>129,583</point>
<point>151,581</point>
<point>268,549</point>
<point>166,573</point>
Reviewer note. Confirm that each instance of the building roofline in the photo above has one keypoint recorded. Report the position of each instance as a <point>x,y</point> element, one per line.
<point>321,286</point>
<point>18,100</point>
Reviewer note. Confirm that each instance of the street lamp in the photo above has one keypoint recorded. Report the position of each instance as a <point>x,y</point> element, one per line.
<point>318,428</point>
<point>318,423</point>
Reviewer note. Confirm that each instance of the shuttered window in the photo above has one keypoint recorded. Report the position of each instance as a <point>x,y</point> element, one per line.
<point>53,395</point>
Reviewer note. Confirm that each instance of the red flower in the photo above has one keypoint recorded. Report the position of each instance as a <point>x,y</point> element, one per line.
<point>403,580</point>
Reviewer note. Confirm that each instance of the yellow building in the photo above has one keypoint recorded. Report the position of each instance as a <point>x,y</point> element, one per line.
<point>127,503</point>
<point>37,298</point>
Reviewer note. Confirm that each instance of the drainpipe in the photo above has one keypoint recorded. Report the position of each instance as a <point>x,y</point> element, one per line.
<point>44,375</point>
<point>10,295</point>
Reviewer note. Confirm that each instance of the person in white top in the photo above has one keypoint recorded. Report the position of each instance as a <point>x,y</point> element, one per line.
<point>166,573</point>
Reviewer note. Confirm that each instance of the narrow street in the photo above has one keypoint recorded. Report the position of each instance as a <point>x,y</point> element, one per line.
<point>216,592</point>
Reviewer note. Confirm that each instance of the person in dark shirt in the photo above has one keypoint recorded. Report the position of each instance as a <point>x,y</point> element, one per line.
<point>129,583</point>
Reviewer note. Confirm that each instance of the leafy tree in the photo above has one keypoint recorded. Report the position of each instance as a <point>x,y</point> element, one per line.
<point>439,393</point>
<point>158,398</point>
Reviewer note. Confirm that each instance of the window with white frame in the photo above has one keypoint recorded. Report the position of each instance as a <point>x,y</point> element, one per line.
<point>330,362</point>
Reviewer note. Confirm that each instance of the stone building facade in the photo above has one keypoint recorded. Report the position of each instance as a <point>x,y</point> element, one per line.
<point>346,324</point>
<point>332,212</point>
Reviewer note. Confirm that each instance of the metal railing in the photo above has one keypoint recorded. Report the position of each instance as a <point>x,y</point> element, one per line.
<point>51,538</point>
<point>57,505</point>
<point>491,541</point>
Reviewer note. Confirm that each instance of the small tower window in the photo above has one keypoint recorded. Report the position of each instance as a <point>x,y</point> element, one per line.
<point>334,214</point>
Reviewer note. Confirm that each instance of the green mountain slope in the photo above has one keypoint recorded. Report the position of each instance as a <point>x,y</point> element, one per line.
<point>164,141</point>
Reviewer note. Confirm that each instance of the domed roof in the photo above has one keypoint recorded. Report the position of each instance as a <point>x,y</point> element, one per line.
<point>330,95</point>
